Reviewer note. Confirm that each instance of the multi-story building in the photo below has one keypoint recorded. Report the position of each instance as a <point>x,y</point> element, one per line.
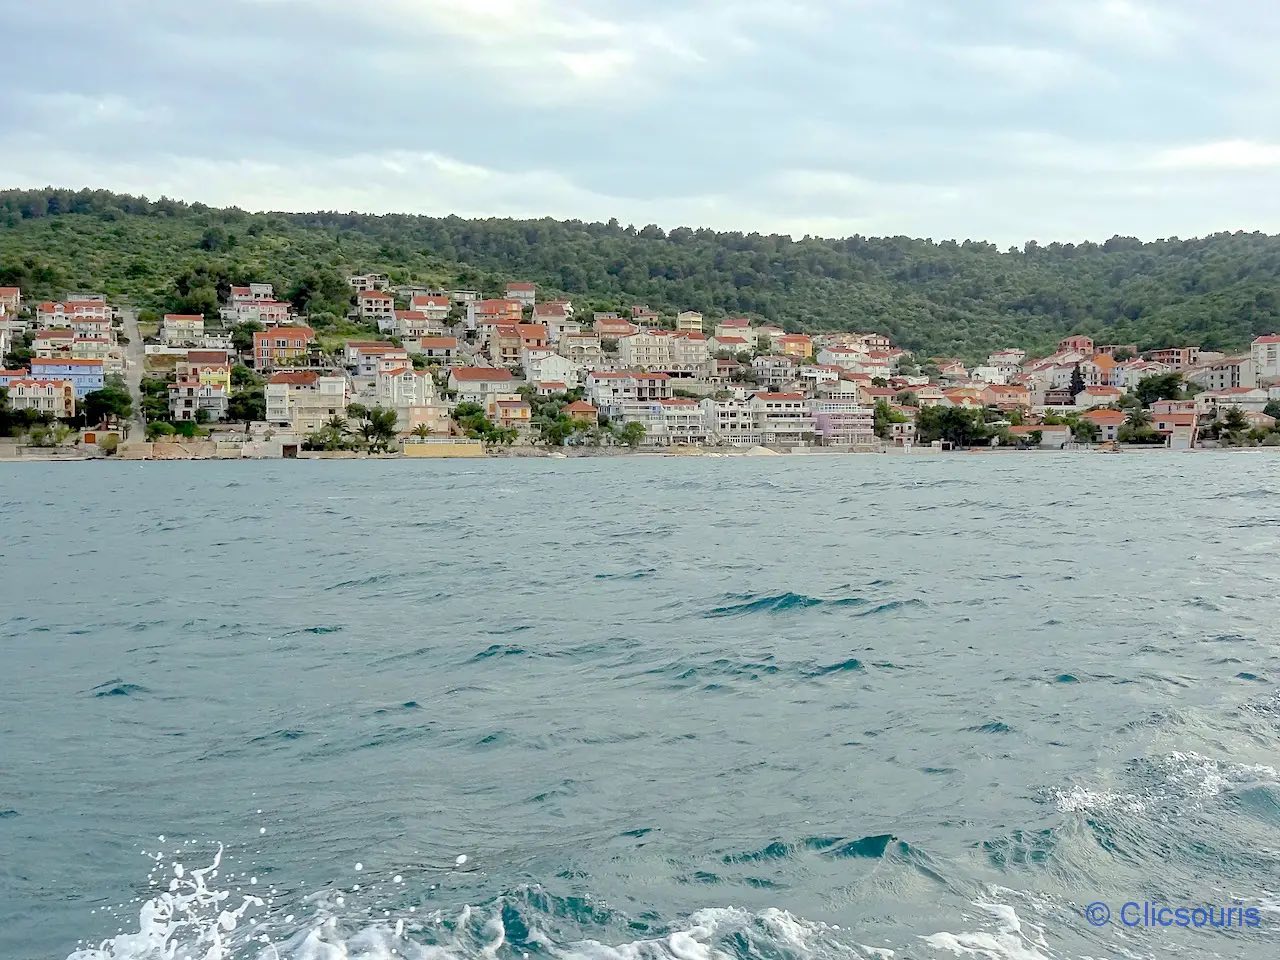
<point>435,306</point>
<point>179,329</point>
<point>366,357</point>
<point>731,421</point>
<point>509,340</point>
<point>795,345</point>
<point>50,314</point>
<point>188,396</point>
<point>206,366</point>
<point>526,293</point>
<point>843,423</point>
<point>483,385</point>
<point>269,313</point>
<point>1176,358</point>
<point>443,350</point>
<point>583,350</point>
<point>11,300</point>
<point>1226,374</point>
<point>412,395</point>
<point>543,364</point>
<point>1266,358</point>
<point>85,375</point>
<point>1077,342</point>
<point>304,400</point>
<point>775,370</point>
<point>281,346</point>
<point>377,306</point>
<point>689,321</point>
<point>486,314</point>
<point>557,315</point>
<point>783,419</point>
<point>56,397</point>
<point>369,281</point>
<point>614,329</point>
<point>607,388</point>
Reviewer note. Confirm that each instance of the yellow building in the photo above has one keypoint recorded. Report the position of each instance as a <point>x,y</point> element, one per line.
<point>795,345</point>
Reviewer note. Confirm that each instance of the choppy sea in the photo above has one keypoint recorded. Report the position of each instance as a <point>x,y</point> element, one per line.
<point>848,708</point>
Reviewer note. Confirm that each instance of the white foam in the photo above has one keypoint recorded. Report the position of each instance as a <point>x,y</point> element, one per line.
<point>190,921</point>
<point>1010,940</point>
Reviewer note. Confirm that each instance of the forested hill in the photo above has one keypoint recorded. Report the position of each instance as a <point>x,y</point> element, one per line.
<point>943,298</point>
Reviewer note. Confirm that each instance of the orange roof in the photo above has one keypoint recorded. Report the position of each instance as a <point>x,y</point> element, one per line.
<point>65,362</point>
<point>296,378</point>
<point>1269,338</point>
<point>522,285</point>
<point>66,384</point>
<point>438,343</point>
<point>1107,391</point>
<point>290,333</point>
<point>185,316</point>
<point>551,384</point>
<point>1102,417</point>
<point>678,402</point>
<point>734,340</point>
<point>1103,361</point>
<point>480,374</point>
<point>9,291</point>
<point>62,334</point>
<point>374,295</point>
<point>218,357</point>
<point>580,406</point>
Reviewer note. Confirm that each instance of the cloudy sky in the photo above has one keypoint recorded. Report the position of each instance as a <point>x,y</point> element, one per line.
<point>1005,120</point>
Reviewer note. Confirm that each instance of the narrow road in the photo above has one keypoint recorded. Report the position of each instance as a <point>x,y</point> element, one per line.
<point>135,356</point>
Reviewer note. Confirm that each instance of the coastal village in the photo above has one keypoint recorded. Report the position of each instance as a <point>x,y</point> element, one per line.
<point>442,373</point>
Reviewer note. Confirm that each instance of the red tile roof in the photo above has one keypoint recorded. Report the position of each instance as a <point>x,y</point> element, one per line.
<point>480,374</point>
<point>296,378</point>
<point>438,343</point>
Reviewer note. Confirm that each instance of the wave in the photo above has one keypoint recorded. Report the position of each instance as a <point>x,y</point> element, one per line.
<point>747,604</point>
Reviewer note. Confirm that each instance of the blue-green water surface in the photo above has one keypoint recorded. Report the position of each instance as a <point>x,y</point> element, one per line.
<point>667,709</point>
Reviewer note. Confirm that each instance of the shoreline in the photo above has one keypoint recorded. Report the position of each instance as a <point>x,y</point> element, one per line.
<point>706,453</point>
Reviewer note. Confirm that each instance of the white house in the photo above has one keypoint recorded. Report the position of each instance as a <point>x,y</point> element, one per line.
<point>1266,357</point>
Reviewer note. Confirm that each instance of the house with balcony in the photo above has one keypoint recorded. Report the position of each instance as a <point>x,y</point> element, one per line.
<point>1265,352</point>
<point>783,419</point>
<point>795,345</point>
<point>775,370</point>
<point>283,346</point>
<point>523,291</point>
<point>583,350</point>
<point>85,376</point>
<point>377,306</point>
<point>843,423</point>
<point>180,329</point>
<point>364,282</point>
<point>434,306</point>
<point>483,385</point>
<point>188,396</point>
<point>441,350</point>
<point>484,315</point>
<point>304,400</point>
<point>55,397</point>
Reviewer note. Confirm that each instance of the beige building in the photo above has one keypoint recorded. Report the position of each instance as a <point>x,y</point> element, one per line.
<point>304,400</point>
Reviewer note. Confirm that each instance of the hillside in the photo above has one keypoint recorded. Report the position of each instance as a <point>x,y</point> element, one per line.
<point>943,298</point>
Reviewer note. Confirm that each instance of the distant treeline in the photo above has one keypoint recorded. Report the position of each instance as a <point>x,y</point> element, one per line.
<point>946,298</point>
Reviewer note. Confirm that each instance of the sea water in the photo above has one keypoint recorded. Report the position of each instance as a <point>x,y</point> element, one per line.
<point>639,709</point>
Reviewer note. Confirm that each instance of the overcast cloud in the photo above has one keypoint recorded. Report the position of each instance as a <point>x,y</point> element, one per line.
<point>995,119</point>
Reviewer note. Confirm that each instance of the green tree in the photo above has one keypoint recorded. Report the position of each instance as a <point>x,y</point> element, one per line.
<point>111,401</point>
<point>248,406</point>
<point>242,335</point>
<point>633,434</point>
<point>1077,381</point>
<point>955,425</point>
<point>884,416</point>
<point>1160,386</point>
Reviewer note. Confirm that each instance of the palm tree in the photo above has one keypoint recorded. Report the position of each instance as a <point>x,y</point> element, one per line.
<point>1139,418</point>
<point>337,424</point>
<point>421,431</point>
